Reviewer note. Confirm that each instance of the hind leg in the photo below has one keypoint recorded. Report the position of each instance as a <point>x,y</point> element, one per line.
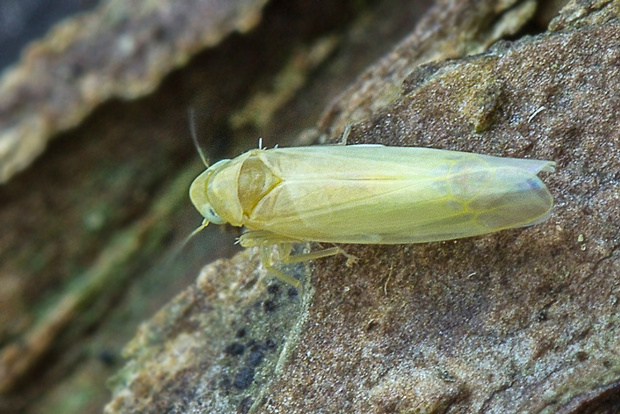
<point>265,239</point>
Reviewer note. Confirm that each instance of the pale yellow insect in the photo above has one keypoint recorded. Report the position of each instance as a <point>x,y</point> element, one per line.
<point>369,194</point>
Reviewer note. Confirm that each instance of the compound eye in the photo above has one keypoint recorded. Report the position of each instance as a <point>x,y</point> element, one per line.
<point>210,215</point>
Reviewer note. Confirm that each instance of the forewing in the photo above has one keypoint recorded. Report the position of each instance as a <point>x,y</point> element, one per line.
<point>375,194</point>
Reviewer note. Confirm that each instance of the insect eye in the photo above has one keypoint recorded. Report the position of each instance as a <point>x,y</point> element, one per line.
<point>211,216</point>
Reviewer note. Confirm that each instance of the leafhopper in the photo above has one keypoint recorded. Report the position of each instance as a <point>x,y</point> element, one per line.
<point>369,194</point>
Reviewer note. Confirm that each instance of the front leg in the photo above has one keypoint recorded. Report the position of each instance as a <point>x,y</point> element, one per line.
<point>253,238</point>
<point>265,239</point>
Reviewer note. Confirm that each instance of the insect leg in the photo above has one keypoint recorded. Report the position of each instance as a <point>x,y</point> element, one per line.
<point>332,251</point>
<point>266,259</point>
<point>265,238</point>
<point>284,256</point>
<point>345,135</point>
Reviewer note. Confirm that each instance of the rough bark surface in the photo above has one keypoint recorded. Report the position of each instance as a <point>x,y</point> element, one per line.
<point>523,320</point>
<point>500,323</point>
<point>121,50</point>
<point>90,236</point>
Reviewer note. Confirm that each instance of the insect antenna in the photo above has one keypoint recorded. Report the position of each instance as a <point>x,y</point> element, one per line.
<point>200,228</point>
<point>192,129</point>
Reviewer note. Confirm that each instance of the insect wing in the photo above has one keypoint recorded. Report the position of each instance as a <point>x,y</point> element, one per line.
<point>388,195</point>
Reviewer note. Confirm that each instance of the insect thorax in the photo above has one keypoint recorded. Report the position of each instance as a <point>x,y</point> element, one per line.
<point>256,180</point>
